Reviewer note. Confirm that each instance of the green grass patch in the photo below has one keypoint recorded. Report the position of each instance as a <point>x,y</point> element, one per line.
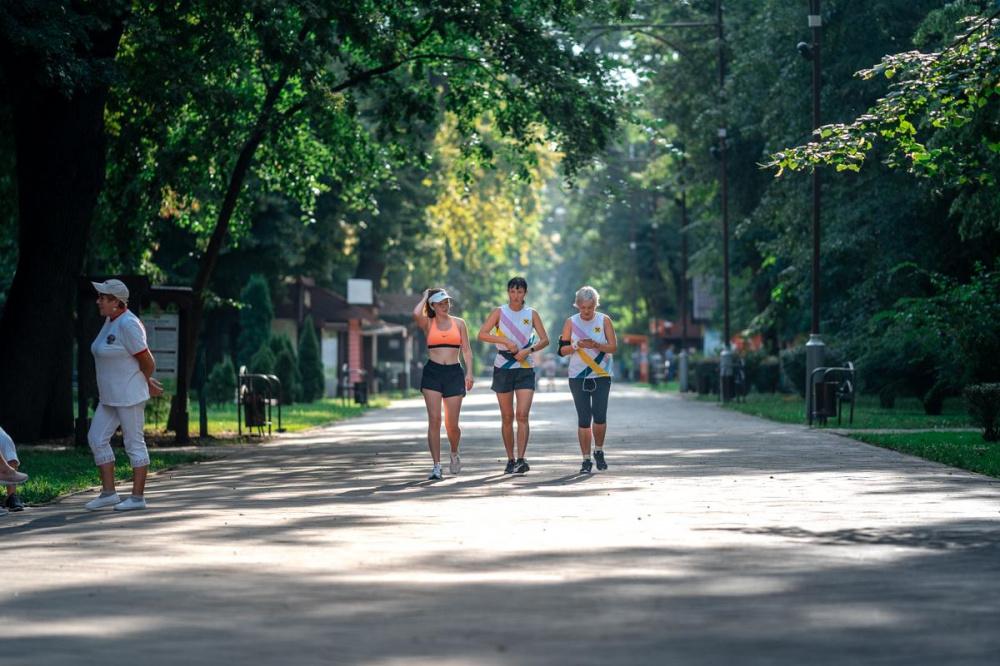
<point>668,387</point>
<point>966,450</point>
<point>294,418</point>
<point>907,414</point>
<point>56,472</point>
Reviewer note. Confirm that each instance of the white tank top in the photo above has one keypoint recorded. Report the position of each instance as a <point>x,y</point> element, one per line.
<point>589,363</point>
<point>517,326</point>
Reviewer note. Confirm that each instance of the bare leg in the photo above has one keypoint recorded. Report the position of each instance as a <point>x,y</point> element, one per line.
<point>600,429</point>
<point>13,464</point>
<point>139,480</point>
<point>107,472</point>
<point>433,401</point>
<point>583,434</point>
<point>506,401</point>
<point>524,398</point>
<point>452,408</point>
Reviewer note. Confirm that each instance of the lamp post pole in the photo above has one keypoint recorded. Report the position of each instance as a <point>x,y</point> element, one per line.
<point>682,374</point>
<point>815,348</point>
<point>726,360</point>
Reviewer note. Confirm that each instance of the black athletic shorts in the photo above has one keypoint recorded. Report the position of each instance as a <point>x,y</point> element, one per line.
<point>448,380</point>
<point>513,379</point>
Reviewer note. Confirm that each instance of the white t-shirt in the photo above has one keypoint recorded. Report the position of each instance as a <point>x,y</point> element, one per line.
<point>120,382</point>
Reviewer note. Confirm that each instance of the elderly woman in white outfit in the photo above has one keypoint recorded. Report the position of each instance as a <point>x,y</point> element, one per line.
<point>124,382</point>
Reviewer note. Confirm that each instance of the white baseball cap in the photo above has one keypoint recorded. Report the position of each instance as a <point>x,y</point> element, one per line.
<point>438,297</point>
<point>114,288</point>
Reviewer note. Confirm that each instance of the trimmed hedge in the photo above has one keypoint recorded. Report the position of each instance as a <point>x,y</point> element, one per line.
<point>766,375</point>
<point>984,406</point>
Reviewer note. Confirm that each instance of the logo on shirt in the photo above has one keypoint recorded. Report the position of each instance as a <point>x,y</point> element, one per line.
<point>111,339</point>
<point>525,321</point>
<point>597,329</point>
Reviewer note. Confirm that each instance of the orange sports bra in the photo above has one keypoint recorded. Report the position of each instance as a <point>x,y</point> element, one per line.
<point>438,338</point>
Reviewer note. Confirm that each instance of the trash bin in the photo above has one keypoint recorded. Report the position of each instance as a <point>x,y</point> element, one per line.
<point>825,400</point>
<point>360,393</point>
<point>254,410</point>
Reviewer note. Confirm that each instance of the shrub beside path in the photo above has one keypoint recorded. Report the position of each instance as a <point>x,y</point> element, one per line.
<point>714,538</point>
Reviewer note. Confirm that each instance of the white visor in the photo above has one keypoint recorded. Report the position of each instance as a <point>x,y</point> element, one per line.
<point>438,297</point>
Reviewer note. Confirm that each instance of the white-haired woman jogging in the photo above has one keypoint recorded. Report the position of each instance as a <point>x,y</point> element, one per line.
<point>588,338</point>
<point>124,383</point>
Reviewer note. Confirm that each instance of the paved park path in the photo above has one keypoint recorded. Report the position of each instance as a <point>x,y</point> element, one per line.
<point>714,538</point>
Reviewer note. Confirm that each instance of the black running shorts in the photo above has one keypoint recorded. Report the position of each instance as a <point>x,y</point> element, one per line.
<point>448,380</point>
<point>513,379</point>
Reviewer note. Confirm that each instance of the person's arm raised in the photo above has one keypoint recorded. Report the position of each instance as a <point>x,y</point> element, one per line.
<point>420,312</point>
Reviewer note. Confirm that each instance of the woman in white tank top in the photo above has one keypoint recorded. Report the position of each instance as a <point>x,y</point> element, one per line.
<point>588,338</point>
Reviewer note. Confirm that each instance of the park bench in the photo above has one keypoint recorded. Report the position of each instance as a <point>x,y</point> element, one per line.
<point>831,388</point>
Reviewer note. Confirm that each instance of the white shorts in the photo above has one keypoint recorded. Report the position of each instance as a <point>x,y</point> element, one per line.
<point>106,422</point>
<point>7,449</point>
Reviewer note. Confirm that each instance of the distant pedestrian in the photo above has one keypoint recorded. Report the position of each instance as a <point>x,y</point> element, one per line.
<point>549,368</point>
<point>9,474</point>
<point>443,381</point>
<point>124,382</point>
<point>588,338</point>
<point>517,331</point>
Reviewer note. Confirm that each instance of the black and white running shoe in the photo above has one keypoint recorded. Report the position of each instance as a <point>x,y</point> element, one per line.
<point>599,459</point>
<point>509,469</point>
<point>587,466</point>
<point>521,466</point>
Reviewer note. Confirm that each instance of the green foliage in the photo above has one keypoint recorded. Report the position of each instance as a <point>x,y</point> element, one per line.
<point>984,406</point>
<point>263,362</point>
<point>930,346</point>
<point>220,387</point>
<point>310,363</point>
<point>255,317</point>
<point>286,367</point>
<point>934,121</point>
<point>765,374</point>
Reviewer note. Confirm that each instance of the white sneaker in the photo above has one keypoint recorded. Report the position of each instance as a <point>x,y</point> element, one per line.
<point>131,504</point>
<point>101,502</point>
<point>435,474</point>
<point>455,466</point>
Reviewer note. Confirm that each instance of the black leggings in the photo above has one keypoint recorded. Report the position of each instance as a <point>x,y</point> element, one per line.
<point>591,399</point>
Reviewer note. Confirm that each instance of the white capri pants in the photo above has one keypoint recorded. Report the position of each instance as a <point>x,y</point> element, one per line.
<point>7,449</point>
<point>106,421</point>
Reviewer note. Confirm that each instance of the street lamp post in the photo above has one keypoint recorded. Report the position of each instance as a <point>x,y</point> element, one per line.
<point>726,360</point>
<point>815,348</point>
<point>682,375</point>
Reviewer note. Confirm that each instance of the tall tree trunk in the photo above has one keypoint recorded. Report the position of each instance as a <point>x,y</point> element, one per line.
<point>60,153</point>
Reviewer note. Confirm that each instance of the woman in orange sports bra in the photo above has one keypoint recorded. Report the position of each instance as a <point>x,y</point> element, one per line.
<point>444,381</point>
